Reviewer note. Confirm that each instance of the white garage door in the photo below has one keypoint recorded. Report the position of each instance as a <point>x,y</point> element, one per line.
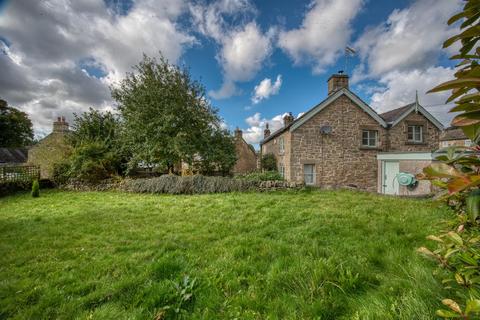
<point>390,171</point>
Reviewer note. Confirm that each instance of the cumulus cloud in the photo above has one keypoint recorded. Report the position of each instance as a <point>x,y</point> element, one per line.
<point>398,89</point>
<point>409,39</point>
<point>47,40</point>
<point>323,35</point>
<point>265,89</point>
<point>244,46</point>
<point>254,133</point>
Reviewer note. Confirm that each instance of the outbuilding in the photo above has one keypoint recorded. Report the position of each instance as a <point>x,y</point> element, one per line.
<point>397,170</point>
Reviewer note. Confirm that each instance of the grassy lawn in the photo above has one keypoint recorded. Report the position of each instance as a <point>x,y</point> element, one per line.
<point>281,255</point>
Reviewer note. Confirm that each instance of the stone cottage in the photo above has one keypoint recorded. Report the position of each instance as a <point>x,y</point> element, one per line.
<point>246,155</point>
<point>51,149</point>
<point>338,141</point>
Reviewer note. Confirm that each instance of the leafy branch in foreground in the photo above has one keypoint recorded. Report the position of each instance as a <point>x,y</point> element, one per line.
<point>458,174</point>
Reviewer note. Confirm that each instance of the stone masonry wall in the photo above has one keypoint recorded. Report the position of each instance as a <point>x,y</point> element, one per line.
<point>398,135</point>
<point>284,158</point>
<point>339,158</point>
<point>246,157</point>
<point>47,152</point>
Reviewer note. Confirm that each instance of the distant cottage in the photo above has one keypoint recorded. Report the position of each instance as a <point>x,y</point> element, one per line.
<point>343,142</point>
<point>51,149</point>
<point>246,156</point>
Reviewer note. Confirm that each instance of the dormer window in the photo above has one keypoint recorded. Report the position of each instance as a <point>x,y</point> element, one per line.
<point>415,133</point>
<point>369,138</point>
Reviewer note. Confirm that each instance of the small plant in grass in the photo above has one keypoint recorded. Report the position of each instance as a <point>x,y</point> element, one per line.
<point>35,189</point>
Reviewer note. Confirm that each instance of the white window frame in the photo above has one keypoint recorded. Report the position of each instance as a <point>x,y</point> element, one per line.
<point>281,170</point>
<point>370,138</point>
<point>416,130</point>
<point>281,145</point>
<point>310,175</point>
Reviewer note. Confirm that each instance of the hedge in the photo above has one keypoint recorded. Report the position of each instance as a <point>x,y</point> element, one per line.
<point>187,185</point>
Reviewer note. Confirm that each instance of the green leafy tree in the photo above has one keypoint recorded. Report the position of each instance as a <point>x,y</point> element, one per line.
<point>218,155</point>
<point>458,174</point>
<point>98,153</point>
<point>269,162</point>
<point>15,126</point>
<point>167,117</point>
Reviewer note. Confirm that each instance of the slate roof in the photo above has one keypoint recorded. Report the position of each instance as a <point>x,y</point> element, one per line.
<point>453,133</point>
<point>392,115</point>
<point>13,155</point>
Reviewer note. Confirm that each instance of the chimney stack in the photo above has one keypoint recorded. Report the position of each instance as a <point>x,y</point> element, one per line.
<point>60,125</point>
<point>238,134</point>
<point>288,119</point>
<point>337,82</point>
<point>266,132</point>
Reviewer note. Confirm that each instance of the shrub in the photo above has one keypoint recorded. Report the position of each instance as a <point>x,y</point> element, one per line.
<point>187,185</point>
<point>269,162</point>
<point>262,176</point>
<point>10,187</point>
<point>35,189</point>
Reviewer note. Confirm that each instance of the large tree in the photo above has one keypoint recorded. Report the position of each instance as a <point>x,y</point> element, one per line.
<point>167,118</point>
<point>15,127</point>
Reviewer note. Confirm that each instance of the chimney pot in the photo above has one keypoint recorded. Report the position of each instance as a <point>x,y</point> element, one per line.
<point>238,133</point>
<point>337,82</point>
<point>60,125</point>
<point>266,132</point>
<point>288,119</point>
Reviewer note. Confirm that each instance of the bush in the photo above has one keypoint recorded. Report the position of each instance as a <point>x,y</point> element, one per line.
<point>269,162</point>
<point>187,185</point>
<point>35,189</point>
<point>10,187</point>
<point>262,176</point>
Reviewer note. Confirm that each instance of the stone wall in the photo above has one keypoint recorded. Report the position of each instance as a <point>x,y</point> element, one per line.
<point>50,150</point>
<point>398,135</point>
<point>246,156</point>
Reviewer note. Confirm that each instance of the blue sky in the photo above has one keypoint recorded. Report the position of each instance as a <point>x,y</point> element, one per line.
<point>257,59</point>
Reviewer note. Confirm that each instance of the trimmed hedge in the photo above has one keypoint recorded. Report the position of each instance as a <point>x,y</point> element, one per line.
<point>188,185</point>
<point>11,187</point>
<point>262,176</point>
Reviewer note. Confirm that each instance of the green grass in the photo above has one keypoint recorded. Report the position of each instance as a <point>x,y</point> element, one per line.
<point>281,255</point>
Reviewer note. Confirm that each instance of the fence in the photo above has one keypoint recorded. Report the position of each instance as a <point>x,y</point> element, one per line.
<point>19,173</point>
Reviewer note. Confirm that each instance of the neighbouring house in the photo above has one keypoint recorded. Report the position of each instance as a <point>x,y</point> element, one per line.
<point>342,142</point>
<point>13,156</point>
<point>454,136</point>
<point>246,155</point>
<point>51,149</point>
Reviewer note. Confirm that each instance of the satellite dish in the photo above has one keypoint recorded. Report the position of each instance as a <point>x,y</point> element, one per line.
<point>326,130</point>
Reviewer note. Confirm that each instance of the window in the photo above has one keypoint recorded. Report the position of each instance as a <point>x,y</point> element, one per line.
<point>281,145</point>
<point>281,170</point>
<point>369,138</point>
<point>309,174</point>
<point>415,134</point>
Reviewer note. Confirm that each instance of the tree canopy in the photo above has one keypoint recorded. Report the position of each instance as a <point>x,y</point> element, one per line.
<point>15,126</point>
<point>168,120</point>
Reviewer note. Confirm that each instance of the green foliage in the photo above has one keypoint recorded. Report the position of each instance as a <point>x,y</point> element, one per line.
<point>276,255</point>
<point>262,176</point>
<point>458,248</point>
<point>98,153</point>
<point>269,162</point>
<point>173,184</point>
<point>93,162</point>
<point>15,126</point>
<point>217,155</point>
<point>11,187</point>
<point>168,119</point>
<point>35,189</point>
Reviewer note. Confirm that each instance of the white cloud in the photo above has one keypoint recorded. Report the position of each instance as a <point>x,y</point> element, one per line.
<point>254,133</point>
<point>244,46</point>
<point>323,35</point>
<point>265,89</point>
<point>47,40</point>
<point>410,38</point>
<point>399,89</point>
